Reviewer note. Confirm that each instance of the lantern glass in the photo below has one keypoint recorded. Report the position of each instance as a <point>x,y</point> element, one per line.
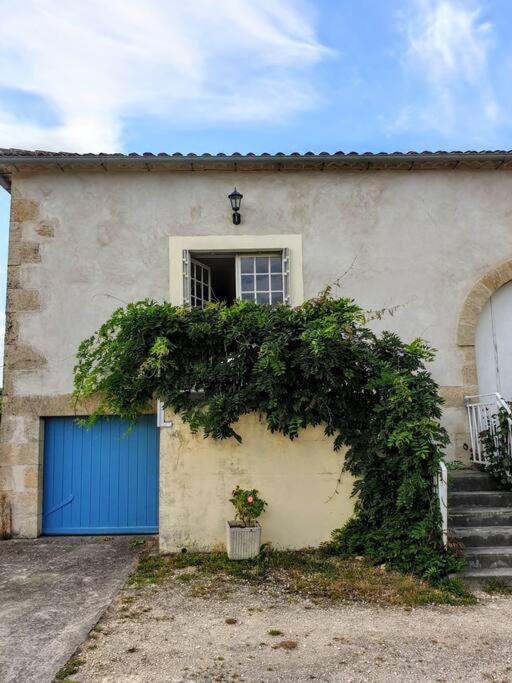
<point>236,199</point>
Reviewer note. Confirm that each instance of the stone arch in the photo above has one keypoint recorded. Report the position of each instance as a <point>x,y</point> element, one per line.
<point>469,316</point>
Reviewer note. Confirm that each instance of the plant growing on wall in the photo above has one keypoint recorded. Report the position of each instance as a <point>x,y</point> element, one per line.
<point>496,441</point>
<point>316,364</point>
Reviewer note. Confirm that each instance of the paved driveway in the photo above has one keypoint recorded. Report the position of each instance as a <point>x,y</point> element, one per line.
<point>52,591</point>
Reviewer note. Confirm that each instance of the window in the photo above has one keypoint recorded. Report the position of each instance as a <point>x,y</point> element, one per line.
<point>219,252</point>
<point>259,276</point>
<point>200,283</point>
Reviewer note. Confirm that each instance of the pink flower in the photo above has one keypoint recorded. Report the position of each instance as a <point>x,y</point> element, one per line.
<point>250,499</point>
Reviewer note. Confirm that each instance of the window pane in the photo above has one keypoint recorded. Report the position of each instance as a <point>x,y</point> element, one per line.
<point>205,292</point>
<point>276,282</point>
<point>197,289</point>
<point>262,298</point>
<point>247,296</point>
<point>277,298</point>
<point>261,264</point>
<point>262,283</point>
<point>192,269</point>
<point>276,264</point>
<point>247,264</point>
<point>247,283</point>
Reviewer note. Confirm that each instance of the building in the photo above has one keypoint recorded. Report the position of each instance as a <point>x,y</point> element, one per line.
<point>427,236</point>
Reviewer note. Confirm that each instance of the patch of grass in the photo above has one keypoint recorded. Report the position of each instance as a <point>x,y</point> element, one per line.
<point>70,667</point>
<point>203,589</point>
<point>497,587</point>
<point>309,574</point>
<point>186,577</point>
<point>151,569</point>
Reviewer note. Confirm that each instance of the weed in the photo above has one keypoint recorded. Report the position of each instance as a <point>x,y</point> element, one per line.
<point>497,587</point>
<point>136,542</point>
<point>70,667</point>
<point>286,645</point>
<point>186,577</point>
<point>151,569</point>
<point>230,620</point>
<point>275,632</point>
<point>309,574</point>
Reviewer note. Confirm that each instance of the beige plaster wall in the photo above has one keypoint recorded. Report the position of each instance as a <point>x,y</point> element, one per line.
<point>420,241</point>
<point>82,244</point>
<point>298,480</point>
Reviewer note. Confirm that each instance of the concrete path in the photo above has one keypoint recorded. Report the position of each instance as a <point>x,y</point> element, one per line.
<point>52,591</point>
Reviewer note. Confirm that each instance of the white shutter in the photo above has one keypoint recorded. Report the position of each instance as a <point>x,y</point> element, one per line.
<point>286,276</point>
<point>186,277</point>
<point>200,283</point>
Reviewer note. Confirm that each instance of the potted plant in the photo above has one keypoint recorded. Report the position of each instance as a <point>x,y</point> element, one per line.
<point>243,534</point>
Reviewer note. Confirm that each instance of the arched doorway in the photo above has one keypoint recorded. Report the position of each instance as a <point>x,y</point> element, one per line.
<point>493,344</point>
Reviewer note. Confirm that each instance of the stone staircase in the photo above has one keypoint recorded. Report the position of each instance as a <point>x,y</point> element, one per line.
<point>480,517</point>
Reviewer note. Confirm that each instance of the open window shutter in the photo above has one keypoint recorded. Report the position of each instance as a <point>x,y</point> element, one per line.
<point>200,283</point>
<point>186,277</point>
<point>286,276</point>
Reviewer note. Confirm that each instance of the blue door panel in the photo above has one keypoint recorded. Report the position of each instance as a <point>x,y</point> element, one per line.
<point>100,480</point>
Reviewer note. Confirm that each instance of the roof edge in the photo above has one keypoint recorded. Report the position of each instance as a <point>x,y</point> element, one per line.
<point>13,161</point>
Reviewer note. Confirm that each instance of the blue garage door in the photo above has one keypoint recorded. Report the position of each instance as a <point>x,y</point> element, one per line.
<point>100,480</point>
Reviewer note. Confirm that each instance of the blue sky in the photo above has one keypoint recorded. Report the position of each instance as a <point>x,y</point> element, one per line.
<point>253,75</point>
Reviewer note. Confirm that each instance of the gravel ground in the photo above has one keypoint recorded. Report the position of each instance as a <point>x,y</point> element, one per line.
<point>180,631</point>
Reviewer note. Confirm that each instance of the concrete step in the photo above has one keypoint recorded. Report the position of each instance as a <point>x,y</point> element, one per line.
<point>492,499</point>
<point>489,558</point>
<point>477,578</point>
<point>483,537</point>
<point>471,480</point>
<point>479,516</point>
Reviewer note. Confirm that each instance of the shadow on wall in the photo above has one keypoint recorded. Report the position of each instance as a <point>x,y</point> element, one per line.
<point>5,518</point>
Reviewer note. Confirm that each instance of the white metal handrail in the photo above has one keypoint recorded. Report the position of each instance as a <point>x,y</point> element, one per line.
<point>482,410</point>
<point>442,493</point>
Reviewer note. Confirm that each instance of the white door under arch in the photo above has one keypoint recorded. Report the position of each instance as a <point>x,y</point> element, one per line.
<point>493,344</point>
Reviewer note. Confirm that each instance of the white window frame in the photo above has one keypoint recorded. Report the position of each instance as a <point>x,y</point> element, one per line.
<point>193,280</point>
<point>288,244</point>
<point>285,260</point>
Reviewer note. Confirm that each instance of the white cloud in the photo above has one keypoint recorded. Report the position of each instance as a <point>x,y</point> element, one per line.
<point>98,61</point>
<point>448,38</point>
<point>447,46</point>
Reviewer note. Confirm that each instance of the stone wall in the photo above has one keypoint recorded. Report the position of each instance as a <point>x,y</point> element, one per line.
<point>22,429</point>
<point>20,432</point>
<point>428,245</point>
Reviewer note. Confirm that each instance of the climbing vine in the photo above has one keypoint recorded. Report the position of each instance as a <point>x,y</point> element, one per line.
<point>316,364</point>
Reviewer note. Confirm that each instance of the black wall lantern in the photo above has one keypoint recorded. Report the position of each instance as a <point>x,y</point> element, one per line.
<point>236,199</point>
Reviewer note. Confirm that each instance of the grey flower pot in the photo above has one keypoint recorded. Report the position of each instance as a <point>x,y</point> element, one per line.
<point>242,542</point>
